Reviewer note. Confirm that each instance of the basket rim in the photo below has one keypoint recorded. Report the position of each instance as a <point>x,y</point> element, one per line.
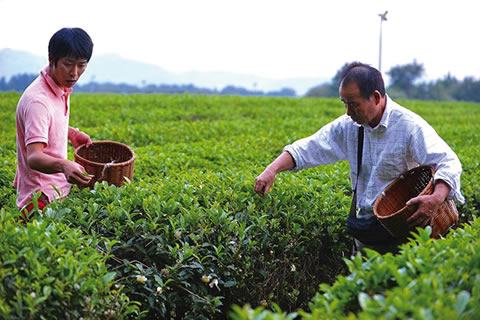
<point>93,163</point>
<point>391,184</point>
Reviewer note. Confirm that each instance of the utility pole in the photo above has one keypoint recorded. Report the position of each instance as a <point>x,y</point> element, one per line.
<point>383,17</point>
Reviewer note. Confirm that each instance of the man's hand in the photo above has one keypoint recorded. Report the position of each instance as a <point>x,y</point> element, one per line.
<point>427,205</point>
<point>78,138</point>
<point>264,182</point>
<point>75,173</point>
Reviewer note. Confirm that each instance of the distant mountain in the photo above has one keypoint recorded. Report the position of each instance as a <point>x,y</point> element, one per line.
<point>13,62</point>
<point>116,69</point>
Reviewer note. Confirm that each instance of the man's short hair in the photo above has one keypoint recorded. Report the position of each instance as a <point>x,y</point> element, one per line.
<point>367,78</point>
<point>70,42</point>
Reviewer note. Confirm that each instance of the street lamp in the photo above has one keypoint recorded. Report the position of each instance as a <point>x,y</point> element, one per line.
<point>383,17</point>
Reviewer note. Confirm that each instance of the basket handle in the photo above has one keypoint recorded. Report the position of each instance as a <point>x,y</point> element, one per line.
<point>105,167</point>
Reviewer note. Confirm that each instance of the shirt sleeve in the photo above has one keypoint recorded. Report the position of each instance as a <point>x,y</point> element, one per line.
<point>37,120</point>
<point>325,146</point>
<point>429,148</point>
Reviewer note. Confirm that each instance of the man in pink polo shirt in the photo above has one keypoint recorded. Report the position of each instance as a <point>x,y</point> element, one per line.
<point>42,124</point>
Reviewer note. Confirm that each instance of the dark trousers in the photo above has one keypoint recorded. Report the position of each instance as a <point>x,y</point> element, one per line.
<point>392,246</point>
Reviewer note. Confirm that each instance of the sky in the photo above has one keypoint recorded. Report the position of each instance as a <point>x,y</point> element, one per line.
<point>274,39</point>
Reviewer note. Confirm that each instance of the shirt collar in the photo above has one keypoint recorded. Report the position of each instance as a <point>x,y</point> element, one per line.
<point>386,113</point>
<point>59,92</point>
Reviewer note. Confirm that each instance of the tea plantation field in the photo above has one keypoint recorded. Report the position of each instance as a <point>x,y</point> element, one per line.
<point>188,238</point>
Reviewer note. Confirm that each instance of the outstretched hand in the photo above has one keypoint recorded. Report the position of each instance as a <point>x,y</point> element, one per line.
<point>264,182</point>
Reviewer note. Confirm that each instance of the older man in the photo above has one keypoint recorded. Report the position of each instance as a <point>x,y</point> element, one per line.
<point>395,140</point>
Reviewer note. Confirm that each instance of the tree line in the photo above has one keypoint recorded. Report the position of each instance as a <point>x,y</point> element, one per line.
<point>405,84</point>
<point>21,81</point>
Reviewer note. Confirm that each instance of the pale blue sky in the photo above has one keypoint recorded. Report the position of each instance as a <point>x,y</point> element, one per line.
<point>275,39</point>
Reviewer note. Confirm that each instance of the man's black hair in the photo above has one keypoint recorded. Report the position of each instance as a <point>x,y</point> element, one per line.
<point>70,42</point>
<point>367,78</point>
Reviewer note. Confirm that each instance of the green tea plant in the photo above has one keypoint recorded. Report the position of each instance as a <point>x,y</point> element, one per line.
<point>51,271</point>
<point>428,279</point>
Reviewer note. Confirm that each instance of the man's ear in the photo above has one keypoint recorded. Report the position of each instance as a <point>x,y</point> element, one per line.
<point>51,61</point>
<point>377,96</point>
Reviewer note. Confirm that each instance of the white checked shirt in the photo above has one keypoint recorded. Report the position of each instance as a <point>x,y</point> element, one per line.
<point>401,141</point>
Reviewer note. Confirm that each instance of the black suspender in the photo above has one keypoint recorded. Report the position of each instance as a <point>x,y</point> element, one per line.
<point>353,206</point>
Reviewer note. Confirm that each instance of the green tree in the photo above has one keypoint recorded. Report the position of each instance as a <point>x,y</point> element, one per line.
<point>403,78</point>
<point>443,89</point>
<point>469,90</point>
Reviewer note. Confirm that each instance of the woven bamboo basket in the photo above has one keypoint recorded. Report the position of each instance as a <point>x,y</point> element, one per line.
<point>107,161</point>
<point>391,211</point>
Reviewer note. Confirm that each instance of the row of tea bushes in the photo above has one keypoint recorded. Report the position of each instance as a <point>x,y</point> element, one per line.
<point>200,248</point>
<point>428,279</point>
<point>163,247</point>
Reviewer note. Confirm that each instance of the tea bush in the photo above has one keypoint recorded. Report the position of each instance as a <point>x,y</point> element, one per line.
<point>51,271</point>
<point>188,237</point>
<point>428,279</point>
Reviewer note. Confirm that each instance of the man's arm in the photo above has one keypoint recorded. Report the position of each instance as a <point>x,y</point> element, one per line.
<point>264,181</point>
<point>38,160</point>
<point>427,148</point>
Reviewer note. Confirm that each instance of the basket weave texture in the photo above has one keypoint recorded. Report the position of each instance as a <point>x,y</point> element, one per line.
<point>107,161</point>
<point>391,211</point>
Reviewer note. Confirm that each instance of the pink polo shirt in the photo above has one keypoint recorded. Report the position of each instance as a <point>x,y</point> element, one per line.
<point>42,116</point>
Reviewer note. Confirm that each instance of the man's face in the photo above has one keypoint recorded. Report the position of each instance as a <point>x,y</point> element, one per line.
<point>361,110</point>
<point>67,71</point>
